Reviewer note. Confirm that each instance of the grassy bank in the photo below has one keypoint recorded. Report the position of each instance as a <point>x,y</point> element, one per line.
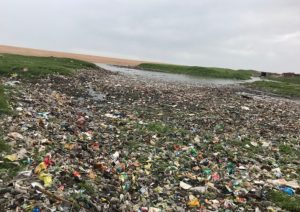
<point>293,79</point>
<point>28,66</point>
<point>199,71</point>
<point>31,67</point>
<point>281,88</point>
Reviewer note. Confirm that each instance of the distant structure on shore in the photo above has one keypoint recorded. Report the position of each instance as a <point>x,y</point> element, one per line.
<point>287,74</point>
<point>263,74</point>
<point>290,74</point>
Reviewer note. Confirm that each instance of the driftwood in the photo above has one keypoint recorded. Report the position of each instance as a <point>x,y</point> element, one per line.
<point>37,187</point>
<point>53,196</point>
<point>58,198</point>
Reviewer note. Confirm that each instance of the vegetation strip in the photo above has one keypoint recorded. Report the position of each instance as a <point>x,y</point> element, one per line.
<point>29,66</point>
<point>208,72</point>
<point>277,87</point>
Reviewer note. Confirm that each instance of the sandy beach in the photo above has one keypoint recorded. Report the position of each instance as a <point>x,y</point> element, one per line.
<point>89,58</point>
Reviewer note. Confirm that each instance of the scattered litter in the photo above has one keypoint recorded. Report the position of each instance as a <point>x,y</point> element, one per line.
<point>185,185</point>
<point>145,146</point>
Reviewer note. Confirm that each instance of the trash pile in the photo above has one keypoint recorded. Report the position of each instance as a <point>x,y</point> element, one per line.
<point>99,141</point>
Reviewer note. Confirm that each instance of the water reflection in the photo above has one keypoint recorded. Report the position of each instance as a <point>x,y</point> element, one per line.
<point>160,76</point>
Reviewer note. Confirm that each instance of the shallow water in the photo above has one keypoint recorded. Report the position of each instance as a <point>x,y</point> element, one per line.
<point>169,77</point>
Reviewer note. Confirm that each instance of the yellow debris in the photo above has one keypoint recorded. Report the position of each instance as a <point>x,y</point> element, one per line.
<point>46,178</point>
<point>12,157</point>
<point>42,166</point>
<point>194,203</point>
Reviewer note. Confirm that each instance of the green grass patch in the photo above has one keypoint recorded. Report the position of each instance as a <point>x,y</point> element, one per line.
<point>290,203</point>
<point>29,66</point>
<point>133,145</point>
<point>285,149</point>
<point>281,88</point>
<point>163,129</point>
<point>4,147</point>
<point>4,106</point>
<point>292,79</point>
<point>208,72</point>
<point>8,169</point>
<point>289,152</point>
<point>157,127</point>
<point>88,187</point>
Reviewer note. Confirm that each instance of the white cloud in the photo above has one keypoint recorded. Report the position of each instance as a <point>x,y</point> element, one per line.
<point>254,34</point>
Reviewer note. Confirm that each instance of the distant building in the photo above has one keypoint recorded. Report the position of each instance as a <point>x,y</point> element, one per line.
<point>263,74</point>
<point>290,74</point>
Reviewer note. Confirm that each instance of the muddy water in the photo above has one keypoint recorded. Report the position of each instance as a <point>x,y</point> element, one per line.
<point>169,77</point>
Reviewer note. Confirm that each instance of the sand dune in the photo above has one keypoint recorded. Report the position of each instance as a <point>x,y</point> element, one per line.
<point>45,53</point>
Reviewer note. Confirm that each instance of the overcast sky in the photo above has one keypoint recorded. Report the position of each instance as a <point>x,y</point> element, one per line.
<point>249,34</point>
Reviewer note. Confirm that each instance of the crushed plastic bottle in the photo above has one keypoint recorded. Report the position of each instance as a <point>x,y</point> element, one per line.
<point>289,191</point>
<point>36,209</point>
<point>230,168</point>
